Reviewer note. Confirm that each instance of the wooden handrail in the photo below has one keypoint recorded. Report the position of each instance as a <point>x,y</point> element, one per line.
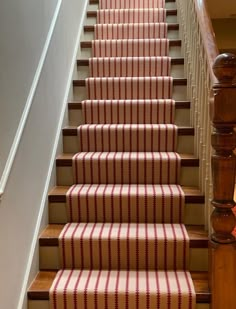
<point>208,35</point>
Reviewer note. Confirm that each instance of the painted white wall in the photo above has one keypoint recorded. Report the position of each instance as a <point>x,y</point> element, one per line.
<point>24,25</point>
<point>24,29</point>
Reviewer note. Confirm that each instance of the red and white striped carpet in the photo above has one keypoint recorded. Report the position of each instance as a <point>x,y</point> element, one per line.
<point>125,245</point>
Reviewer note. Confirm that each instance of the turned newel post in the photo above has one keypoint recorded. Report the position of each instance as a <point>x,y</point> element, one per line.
<point>222,242</point>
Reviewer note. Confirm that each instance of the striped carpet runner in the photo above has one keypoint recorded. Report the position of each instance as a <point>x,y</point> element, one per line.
<point>121,16</point>
<point>129,111</point>
<point>125,245</point>
<point>130,48</point>
<point>129,66</point>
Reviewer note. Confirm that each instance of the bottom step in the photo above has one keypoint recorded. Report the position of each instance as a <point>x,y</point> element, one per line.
<point>38,293</point>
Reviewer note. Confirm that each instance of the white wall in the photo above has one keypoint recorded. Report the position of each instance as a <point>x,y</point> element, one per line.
<point>24,25</point>
<point>24,29</point>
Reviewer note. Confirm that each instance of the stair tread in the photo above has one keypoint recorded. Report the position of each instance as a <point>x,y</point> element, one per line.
<point>72,130</point>
<point>85,62</point>
<point>178,105</point>
<point>169,12</point>
<point>88,44</point>
<point>65,159</point>
<point>192,194</point>
<point>170,26</point>
<point>82,82</point>
<point>197,234</point>
<point>39,289</point>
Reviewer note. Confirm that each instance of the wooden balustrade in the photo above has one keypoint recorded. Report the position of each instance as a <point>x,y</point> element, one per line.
<point>222,242</point>
<point>199,50</point>
<point>212,82</point>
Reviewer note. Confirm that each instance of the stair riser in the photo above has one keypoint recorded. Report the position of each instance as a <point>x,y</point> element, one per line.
<point>177,71</point>
<point>179,93</point>
<point>49,258</point>
<point>174,51</point>
<point>182,117</point>
<point>188,176</point>
<point>185,144</point>
<point>194,214</point>
<point>44,304</point>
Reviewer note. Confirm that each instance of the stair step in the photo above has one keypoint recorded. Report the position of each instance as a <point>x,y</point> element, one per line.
<point>172,26</point>
<point>39,289</point>
<point>181,142</point>
<point>178,105</point>
<point>50,251</point>
<point>186,160</point>
<point>174,61</point>
<point>58,209</point>
<point>192,195</point>
<point>193,209</point>
<point>88,44</point>
<point>169,12</point>
<point>72,131</point>
<point>181,117</point>
<point>188,173</point>
<point>197,234</point>
<point>176,82</point>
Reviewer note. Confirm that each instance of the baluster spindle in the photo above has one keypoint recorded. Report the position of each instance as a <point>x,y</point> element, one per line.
<point>222,243</point>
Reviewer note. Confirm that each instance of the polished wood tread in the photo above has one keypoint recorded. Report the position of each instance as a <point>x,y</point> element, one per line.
<point>39,289</point>
<point>178,105</point>
<point>169,12</point>
<point>173,26</point>
<point>88,44</point>
<point>192,195</point>
<point>182,131</point>
<point>174,61</point>
<point>65,159</point>
<point>176,82</point>
<point>197,235</point>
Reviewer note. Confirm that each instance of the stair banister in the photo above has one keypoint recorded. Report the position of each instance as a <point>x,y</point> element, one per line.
<point>199,50</point>
<point>222,242</point>
<point>211,83</point>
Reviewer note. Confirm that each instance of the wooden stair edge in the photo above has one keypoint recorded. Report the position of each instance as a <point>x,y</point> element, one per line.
<point>189,160</point>
<point>49,237</point>
<point>73,130</point>
<point>170,26</point>
<point>85,62</point>
<point>82,82</point>
<point>39,289</point>
<point>178,105</point>
<point>172,42</point>
<point>169,12</point>
<point>192,195</point>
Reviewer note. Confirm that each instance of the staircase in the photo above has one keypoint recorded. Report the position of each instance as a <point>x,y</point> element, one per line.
<point>126,219</point>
